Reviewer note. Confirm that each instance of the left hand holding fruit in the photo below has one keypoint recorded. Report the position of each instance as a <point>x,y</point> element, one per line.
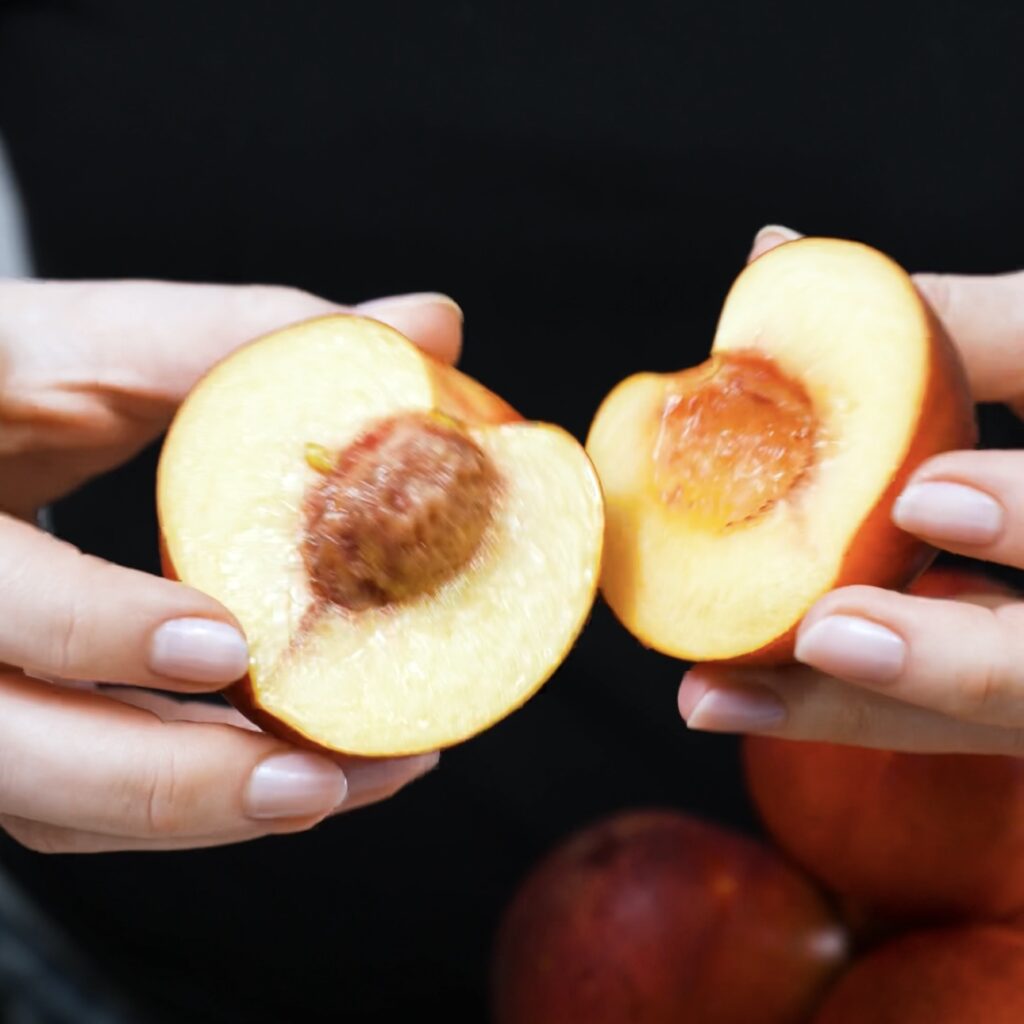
<point>90,372</point>
<point>907,671</point>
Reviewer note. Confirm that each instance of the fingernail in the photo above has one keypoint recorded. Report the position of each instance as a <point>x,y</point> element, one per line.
<point>853,648</point>
<point>950,512</point>
<point>198,650</point>
<point>770,236</point>
<point>378,778</point>
<point>294,785</point>
<point>392,303</point>
<point>732,708</point>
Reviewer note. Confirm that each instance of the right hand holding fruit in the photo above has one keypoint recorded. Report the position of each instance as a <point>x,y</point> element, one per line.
<point>91,372</point>
<point>909,671</point>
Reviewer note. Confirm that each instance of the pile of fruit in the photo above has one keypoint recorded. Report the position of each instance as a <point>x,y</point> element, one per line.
<point>887,894</point>
<point>411,560</point>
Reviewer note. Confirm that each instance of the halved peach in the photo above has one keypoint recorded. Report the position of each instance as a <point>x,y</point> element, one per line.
<point>740,491</point>
<point>409,559</point>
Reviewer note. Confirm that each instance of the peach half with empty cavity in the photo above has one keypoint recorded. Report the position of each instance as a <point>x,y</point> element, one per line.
<point>740,491</point>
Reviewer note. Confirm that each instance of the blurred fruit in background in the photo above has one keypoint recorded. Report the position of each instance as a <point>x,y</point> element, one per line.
<point>657,918</point>
<point>966,975</point>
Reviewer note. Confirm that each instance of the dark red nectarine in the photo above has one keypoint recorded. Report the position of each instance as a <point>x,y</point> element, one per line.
<point>967,975</point>
<point>656,918</point>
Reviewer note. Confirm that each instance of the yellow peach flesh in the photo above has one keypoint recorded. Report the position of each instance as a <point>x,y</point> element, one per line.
<point>414,675</point>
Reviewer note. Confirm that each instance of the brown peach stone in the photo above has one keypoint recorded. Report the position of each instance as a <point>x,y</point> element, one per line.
<point>398,512</point>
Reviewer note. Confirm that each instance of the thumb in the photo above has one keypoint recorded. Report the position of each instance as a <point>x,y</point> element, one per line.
<point>152,340</point>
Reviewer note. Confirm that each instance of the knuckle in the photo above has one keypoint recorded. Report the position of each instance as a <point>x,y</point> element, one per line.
<point>854,721</point>
<point>70,635</point>
<point>978,689</point>
<point>822,708</point>
<point>987,681</point>
<point>151,800</point>
<point>156,800</point>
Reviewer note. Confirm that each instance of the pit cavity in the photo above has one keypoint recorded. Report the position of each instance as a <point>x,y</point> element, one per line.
<point>735,436</point>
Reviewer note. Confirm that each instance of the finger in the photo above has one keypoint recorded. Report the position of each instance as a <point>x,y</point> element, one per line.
<point>40,837</point>
<point>801,704</point>
<point>150,341</point>
<point>984,315</point>
<point>370,780</point>
<point>964,502</point>
<point>960,659</point>
<point>70,615</point>
<point>81,761</point>
<point>45,838</point>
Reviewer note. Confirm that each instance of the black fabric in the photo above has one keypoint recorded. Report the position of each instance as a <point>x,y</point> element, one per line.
<point>585,179</point>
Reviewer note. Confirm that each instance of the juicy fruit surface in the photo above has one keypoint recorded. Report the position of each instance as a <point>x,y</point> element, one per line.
<point>969,975</point>
<point>735,436</point>
<point>845,323</point>
<point>398,512</point>
<point>657,918</point>
<point>405,677</point>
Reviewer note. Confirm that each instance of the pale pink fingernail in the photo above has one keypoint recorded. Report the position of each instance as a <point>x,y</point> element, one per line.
<point>199,651</point>
<point>770,236</point>
<point>852,648</point>
<point>382,307</point>
<point>949,512</point>
<point>294,785</point>
<point>732,708</point>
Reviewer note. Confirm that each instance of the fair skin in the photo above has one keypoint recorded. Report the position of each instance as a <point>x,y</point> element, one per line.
<point>893,671</point>
<point>93,757</point>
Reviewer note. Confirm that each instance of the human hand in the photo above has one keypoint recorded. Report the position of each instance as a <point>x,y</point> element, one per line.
<point>89,374</point>
<point>902,672</point>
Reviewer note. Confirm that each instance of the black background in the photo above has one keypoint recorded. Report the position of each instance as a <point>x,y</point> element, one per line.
<point>585,179</point>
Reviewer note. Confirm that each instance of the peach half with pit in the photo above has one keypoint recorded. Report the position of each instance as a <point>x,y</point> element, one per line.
<point>740,491</point>
<point>409,559</point>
